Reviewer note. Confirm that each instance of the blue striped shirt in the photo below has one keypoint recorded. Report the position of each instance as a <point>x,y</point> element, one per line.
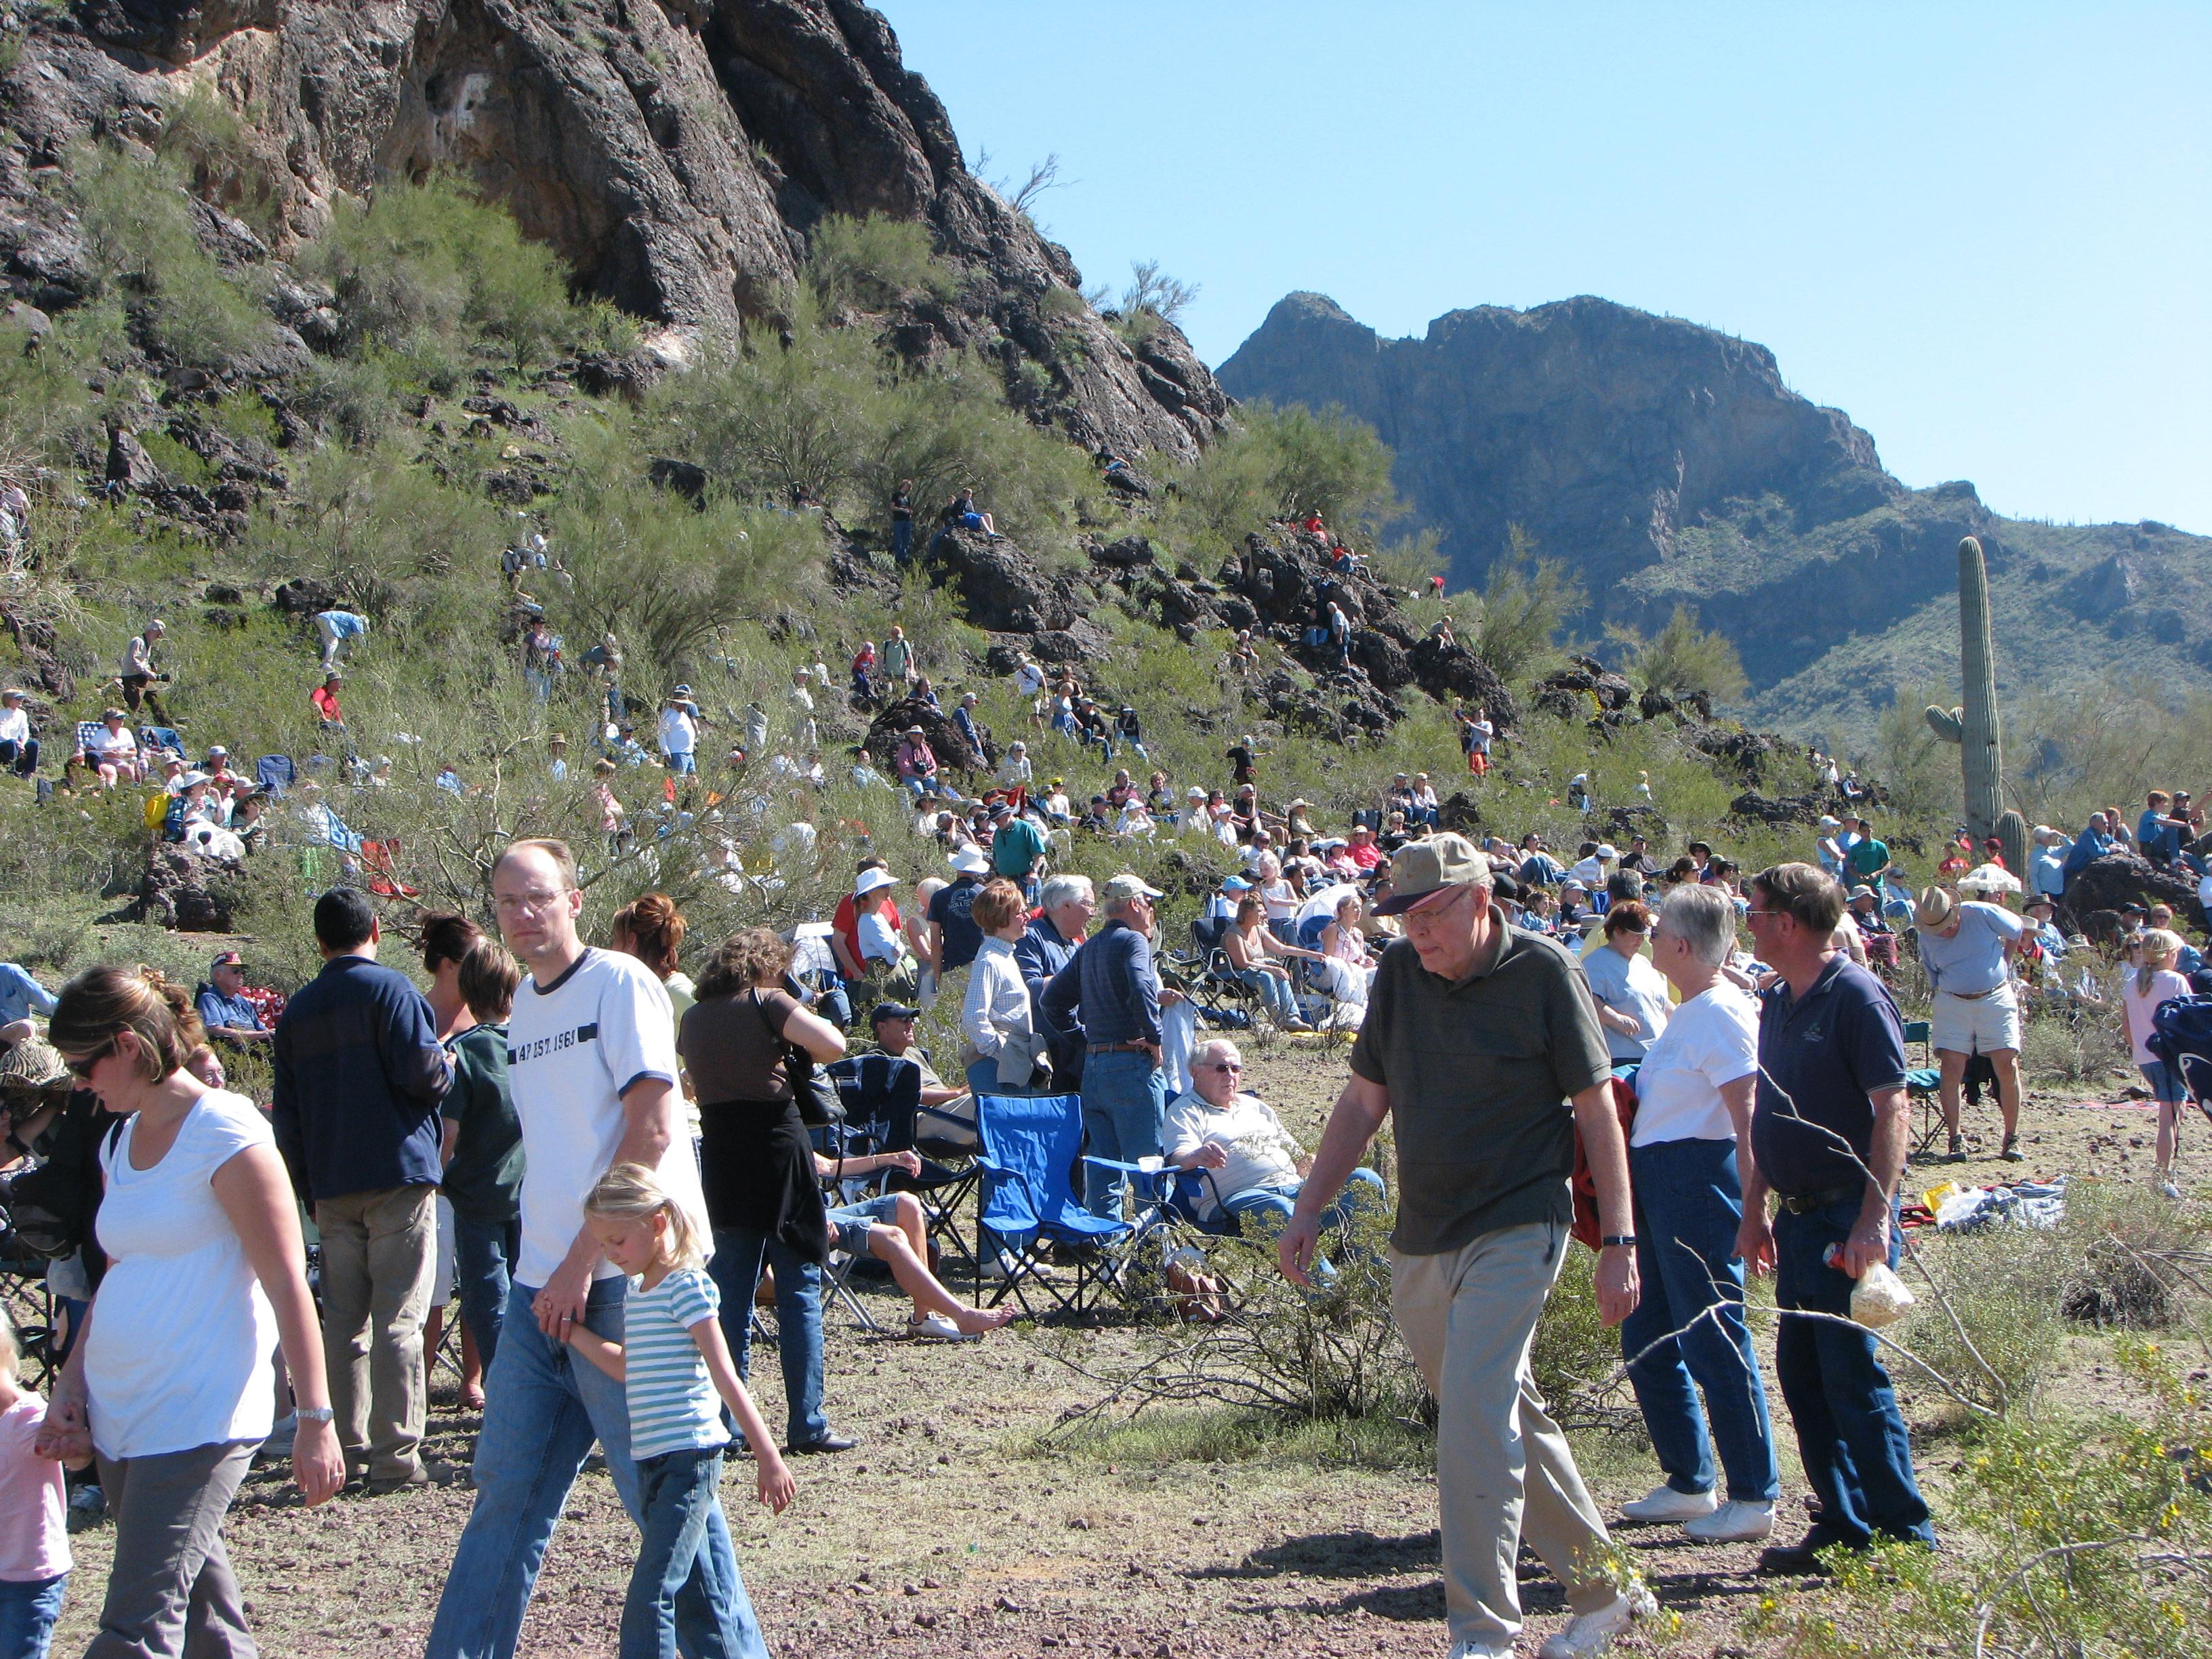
<point>673,1403</point>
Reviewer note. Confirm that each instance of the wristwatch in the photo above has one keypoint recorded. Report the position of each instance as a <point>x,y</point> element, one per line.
<point>1628,1240</point>
<point>314,1414</point>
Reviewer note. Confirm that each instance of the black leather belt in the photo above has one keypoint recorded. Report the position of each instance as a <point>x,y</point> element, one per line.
<point>1118,1048</point>
<point>1806,1203</point>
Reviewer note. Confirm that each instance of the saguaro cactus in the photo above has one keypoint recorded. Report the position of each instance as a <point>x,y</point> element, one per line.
<point>1974,726</point>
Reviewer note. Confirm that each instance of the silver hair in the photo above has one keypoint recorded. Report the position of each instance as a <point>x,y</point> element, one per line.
<point>1065,889</point>
<point>1703,918</point>
<point>1219,1047</point>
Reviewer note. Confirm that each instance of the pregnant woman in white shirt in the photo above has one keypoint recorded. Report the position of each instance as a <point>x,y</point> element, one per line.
<point>172,1388</point>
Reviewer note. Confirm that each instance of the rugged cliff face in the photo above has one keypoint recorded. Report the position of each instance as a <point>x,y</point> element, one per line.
<point>1669,464</point>
<point>676,152</point>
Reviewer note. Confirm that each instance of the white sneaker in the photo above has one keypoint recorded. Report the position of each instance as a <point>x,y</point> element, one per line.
<point>2168,1190</point>
<point>1733,1524</point>
<point>998,1265</point>
<point>1592,1633</point>
<point>1664,1504</point>
<point>936,1328</point>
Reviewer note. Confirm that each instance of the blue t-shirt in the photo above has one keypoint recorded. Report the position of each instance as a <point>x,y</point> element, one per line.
<point>673,1403</point>
<point>1972,960</point>
<point>960,938</point>
<point>2154,838</point>
<point>1824,1053</point>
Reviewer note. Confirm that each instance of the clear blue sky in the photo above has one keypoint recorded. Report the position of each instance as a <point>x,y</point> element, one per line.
<point>1984,230</point>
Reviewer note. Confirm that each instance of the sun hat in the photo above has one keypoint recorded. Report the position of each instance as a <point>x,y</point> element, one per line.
<point>1933,908</point>
<point>914,731</point>
<point>970,862</point>
<point>1124,887</point>
<point>1606,850</point>
<point>1423,867</point>
<point>1827,822</point>
<point>871,880</point>
<point>31,1064</point>
<point>1863,892</point>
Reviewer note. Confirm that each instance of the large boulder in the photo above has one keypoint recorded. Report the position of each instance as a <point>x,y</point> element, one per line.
<point>2122,879</point>
<point>190,893</point>
<point>1452,673</point>
<point>953,751</point>
<point>1751,807</point>
<point>1003,589</point>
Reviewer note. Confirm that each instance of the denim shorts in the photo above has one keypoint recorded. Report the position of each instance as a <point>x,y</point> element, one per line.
<point>2165,1082</point>
<point>849,1223</point>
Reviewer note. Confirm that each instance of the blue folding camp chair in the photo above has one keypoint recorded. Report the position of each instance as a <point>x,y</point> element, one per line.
<point>275,773</point>
<point>1923,1088</point>
<point>1031,1143</point>
<point>162,736</point>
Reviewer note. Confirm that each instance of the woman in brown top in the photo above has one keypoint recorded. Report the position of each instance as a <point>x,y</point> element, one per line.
<point>758,1166</point>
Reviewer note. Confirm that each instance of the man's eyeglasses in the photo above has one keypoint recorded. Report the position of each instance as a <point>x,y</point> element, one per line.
<point>527,904</point>
<point>1766,913</point>
<point>1222,1065</point>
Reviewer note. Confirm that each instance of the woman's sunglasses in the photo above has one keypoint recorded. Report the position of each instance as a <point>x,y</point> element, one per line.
<point>80,1066</point>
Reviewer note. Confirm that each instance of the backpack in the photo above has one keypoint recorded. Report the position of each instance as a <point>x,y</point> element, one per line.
<point>50,1207</point>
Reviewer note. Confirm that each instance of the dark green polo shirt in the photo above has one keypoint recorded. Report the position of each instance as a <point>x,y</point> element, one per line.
<point>1480,1074</point>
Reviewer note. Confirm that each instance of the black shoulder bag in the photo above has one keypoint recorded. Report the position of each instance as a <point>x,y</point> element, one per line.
<point>813,1088</point>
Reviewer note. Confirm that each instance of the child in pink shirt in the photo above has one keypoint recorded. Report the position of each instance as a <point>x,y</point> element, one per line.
<point>34,1553</point>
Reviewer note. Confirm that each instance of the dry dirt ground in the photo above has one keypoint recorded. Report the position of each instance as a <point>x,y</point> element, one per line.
<point>947,1533</point>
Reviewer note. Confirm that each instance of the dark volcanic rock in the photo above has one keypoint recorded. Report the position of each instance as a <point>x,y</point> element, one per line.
<point>1003,589</point>
<point>1791,809</point>
<point>2120,878</point>
<point>188,892</point>
<point>953,751</point>
<point>303,596</point>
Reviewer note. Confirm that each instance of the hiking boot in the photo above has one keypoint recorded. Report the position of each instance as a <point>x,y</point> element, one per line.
<point>2010,1152</point>
<point>1956,1152</point>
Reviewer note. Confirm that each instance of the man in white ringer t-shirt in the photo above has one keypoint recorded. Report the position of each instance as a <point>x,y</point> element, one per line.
<point>591,1062</point>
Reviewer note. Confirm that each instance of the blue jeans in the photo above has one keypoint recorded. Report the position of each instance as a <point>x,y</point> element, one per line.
<point>1363,1190</point>
<point>1275,992</point>
<point>1125,1105</point>
<point>736,1271</point>
<point>547,1405</point>
<point>484,1259</point>
<point>27,1613</point>
<point>685,764</point>
<point>676,1491</point>
<point>1689,1204</point>
<point>902,539</point>
<point>1850,1435</point>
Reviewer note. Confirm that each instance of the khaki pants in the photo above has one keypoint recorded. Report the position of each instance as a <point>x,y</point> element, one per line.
<point>1503,1471</point>
<point>378,1250</point>
<point>169,1585</point>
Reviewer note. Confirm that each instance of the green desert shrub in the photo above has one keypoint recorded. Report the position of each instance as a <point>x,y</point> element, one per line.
<point>138,229</point>
<point>875,262</point>
<point>429,271</point>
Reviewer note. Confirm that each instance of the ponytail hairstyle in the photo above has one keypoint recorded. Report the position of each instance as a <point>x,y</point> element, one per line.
<point>630,1191</point>
<point>2156,945</point>
<point>447,936</point>
<point>651,929</point>
<point>101,1003</point>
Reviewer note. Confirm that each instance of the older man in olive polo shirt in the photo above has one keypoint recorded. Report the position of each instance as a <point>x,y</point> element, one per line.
<point>1482,1044</point>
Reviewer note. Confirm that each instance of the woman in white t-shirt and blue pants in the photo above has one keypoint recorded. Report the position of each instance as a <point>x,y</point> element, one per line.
<point>171,1386</point>
<point>1693,1115</point>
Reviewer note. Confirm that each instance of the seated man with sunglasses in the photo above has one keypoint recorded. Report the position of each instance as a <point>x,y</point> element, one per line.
<point>1255,1168</point>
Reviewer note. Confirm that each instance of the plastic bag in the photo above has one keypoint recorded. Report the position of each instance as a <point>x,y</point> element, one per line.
<point>1879,1296</point>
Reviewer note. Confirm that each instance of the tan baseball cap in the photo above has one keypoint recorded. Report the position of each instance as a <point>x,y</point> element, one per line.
<point>1124,887</point>
<point>1420,867</point>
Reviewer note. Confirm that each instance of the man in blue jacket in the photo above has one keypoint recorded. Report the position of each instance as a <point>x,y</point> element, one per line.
<point>360,1078</point>
<point>1110,992</point>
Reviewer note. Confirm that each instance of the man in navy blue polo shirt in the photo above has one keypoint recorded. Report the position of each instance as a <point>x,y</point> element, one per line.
<point>1829,1133</point>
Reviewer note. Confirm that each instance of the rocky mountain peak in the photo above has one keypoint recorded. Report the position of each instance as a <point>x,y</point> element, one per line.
<point>676,153</point>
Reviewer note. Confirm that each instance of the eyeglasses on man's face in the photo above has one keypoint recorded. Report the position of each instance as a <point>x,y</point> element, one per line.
<point>536,902</point>
<point>1222,1065</point>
